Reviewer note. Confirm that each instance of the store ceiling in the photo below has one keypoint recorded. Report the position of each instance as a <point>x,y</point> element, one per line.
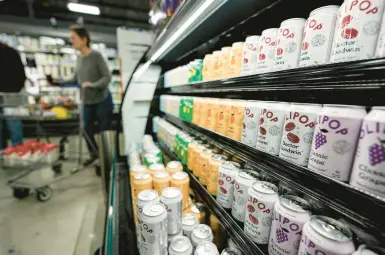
<point>131,13</point>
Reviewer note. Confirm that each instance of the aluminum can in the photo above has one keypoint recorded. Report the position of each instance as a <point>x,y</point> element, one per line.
<point>289,44</point>
<point>206,248</point>
<point>189,222</point>
<point>357,30</point>
<point>271,121</point>
<point>225,62</point>
<point>243,181</point>
<point>298,131</point>
<point>213,172</point>
<point>290,215</point>
<point>160,181</point>
<point>157,167</point>
<point>235,126</point>
<point>208,67</point>
<point>250,54</point>
<point>199,210</point>
<point>236,59</point>
<point>190,158</point>
<point>212,109</point>
<point>181,245</point>
<point>250,123</point>
<point>170,238</point>
<point>217,55</point>
<point>226,180</point>
<point>335,139</point>
<point>181,181</point>
<point>326,236</point>
<point>172,199</point>
<point>380,49</point>
<point>267,48</point>
<point>223,114</point>
<point>318,36</point>
<point>174,166</point>
<point>259,214</point>
<point>203,165</point>
<point>136,169</point>
<point>200,234</point>
<point>142,181</point>
<point>196,154</point>
<point>231,251</point>
<point>153,230</point>
<point>369,165</point>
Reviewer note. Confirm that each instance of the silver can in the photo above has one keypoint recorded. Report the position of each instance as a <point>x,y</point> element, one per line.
<point>206,248</point>
<point>172,198</point>
<point>171,238</point>
<point>231,251</point>
<point>200,234</point>
<point>189,222</point>
<point>181,245</point>
<point>243,181</point>
<point>226,180</point>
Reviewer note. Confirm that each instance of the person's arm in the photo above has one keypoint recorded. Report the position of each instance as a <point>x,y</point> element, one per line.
<point>106,75</point>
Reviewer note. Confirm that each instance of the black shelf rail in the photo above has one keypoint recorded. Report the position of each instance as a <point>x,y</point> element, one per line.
<point>362,210</point>
<point>245,244</point>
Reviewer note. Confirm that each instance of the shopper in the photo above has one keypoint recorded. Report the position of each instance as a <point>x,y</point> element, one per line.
<point>93,75</point>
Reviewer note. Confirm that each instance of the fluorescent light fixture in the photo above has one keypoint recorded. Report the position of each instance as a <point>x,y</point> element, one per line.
<point>83,8</point>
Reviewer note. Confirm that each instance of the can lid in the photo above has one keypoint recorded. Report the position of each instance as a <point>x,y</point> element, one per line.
<point>180,176</point>
<point>226,49</point>
<point>202,231</point>
<point>171,192</point>
<point>228,165</point>
<point>138,168</point>
<point>147,195</point>
<point>246,175</point>
<point>231,251</point>
<point>156,167</point>
<point>180,244</point>
<point>265,187</point>
<point>219,157</point>
<point>270,31</point>
<point>235,163</point>
<point>207,248</point>
<point>330,228</point>
<point>153,210</point>
<point>190,219</point>
<point>207,151</point>
<point>141,176</point>
<point>161,175</point>
<point>252,38</point>
<point>174,164</point>
<point>294,203</point>
<point>197,207</point>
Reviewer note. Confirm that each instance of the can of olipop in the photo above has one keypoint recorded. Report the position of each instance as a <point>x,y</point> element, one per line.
<point>290,215</point>
<point>318,36</point>
<point>250,54</point>
<point>324,235</point>
<point>227,173</point>
<point>250,123</point>
<point>298,132</point>
<point>335,138</point>
<point>200,234</point>
<point>259,214</point>
<point>153,230</point>
<point>181,245</point>
<point>189,222</point>
<point>206,248</point>
<point>243,181</point>
<point>369,165</point>
<point>172,199</point>
<point>289,44</point>
<point>267,48</point>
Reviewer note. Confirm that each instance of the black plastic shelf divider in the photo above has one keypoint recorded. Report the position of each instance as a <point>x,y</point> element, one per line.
<point>361,208</point>
<point>245,244</point>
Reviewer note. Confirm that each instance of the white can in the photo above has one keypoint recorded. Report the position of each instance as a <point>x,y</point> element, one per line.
<point>250,55</point>
<point>290,215</point>
<point>225,190</point>
<point>267,48</point>
<point>200,234</point>
<point>172,198</point>
<point>369,165</point>
<point>289,44</point>
<point>364,250</point>
<point>335,139</point>
<point>250,123</point>
<point>357,30</point>
<point>171,238</point>
<point>271,121</point>
<point>318,36</point>
<point>189,222</point>
<point>380,49</point>
<point>153,230</point>
<point>298,132</point>
<point>243,181</point>
<point>181,245</point>
<point>326,236</point>
<point>259,214</point>
<point>206,248</point>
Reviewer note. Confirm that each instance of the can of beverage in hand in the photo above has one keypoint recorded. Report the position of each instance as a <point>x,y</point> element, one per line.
<point>189,222</point>
<point>324,235</point>
<point>204,165</point>
<point>369,165</point>
<point>206,248</point>
<point>226,180</point>
<point>259,214</point>
<point>174,166</point>
<point>335,138</point>
<point>172,199</point>
<point>289,44</point>
<point>160,181</point>
<point>298,131</point>
<point>213,172</point>
<point>250,122</point>
<point>250,54</point>
<point>271,121</point>
<point>231,251</point>
<point>153,230</point>
<point>290,215</point>
<point>243,181</point>
<point>267,48</point>
<point>357,30</point>
<point>200,234</point>
<point>236,59</point>
<point>318,36</point>
<point>181,245</point>
<point>181,181</point>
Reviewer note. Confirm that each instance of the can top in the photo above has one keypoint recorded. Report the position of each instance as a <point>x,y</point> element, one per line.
<point>156,167</point>
<point>237,44</point>
<point>297,21</point>
<point>219,157</point>
<point>202,231</point>
<point>206,248</point>
<point>180,244</point>
<point>138,168</point>
<point>226,49</point>
<point>189,219</point>
<point>270,31</point>
<point>253,38</point>
<point>161,175</point>
<point>207,56</point>
<point>330,228</point>
<point>197,207</point>
<point>174,164</point>
<point>231,251</point>
<point>153,209</point>
<point>141,176</point>
<point>217,53</point>
<point>171,192</point>
<point>180,176</point>
<point>234,163</point>
<point>228,165</point>
<point>245,175</point>
<point>325,9</point>
<point>294,203</point>
<point>147,195</point>
<point>207,151</point>
<point>265,187</point>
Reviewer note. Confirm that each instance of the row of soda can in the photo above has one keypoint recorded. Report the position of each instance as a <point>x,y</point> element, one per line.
<point>353,31</point>
<point>340,141</point>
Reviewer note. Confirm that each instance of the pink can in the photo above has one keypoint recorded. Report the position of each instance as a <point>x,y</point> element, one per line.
<point>250,122</point>
<point>318,36</point>
<point>250,55</point>
<point>289,44</point>
<point>357,30</point>
<point>267,48</point>
<point>290,215</point>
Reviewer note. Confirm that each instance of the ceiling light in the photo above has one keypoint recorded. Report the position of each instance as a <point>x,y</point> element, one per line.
<point>83,8</point>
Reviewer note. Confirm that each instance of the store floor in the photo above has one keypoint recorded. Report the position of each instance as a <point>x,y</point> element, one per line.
<point>71,222</point>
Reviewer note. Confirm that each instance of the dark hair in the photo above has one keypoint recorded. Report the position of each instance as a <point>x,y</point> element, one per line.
<point>82,32</point>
